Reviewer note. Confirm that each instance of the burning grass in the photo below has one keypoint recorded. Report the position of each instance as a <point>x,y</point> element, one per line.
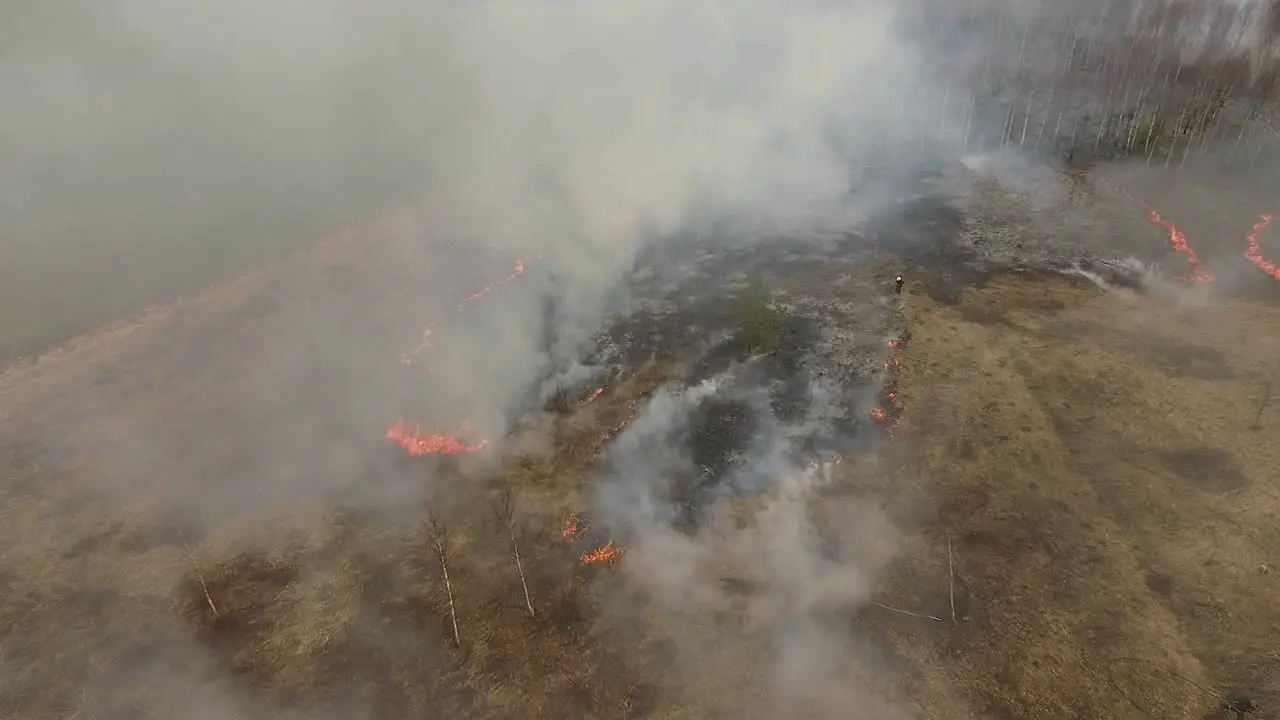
<point>1107,522</point>
<point>1225,221</point>
<point>365,601</point>
<point>1111,519</point>
<point>408,357</point>
<point>418,443</point>
<point>1254,253</point>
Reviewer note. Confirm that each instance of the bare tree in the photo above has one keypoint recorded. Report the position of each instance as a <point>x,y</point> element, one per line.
<point>439,536</point>
<point>505,510</point>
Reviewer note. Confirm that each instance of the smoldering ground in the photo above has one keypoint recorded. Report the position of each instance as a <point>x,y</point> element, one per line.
<point>755,567</point>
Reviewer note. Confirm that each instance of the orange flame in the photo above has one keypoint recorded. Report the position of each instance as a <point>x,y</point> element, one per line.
<point>1178,239</point>
<point>598,392</point>
<point>892,366</point>
<point>608,554</point>
<point>418,444</point>
<point>410,355</point>
<point>519,270</point>
<point>1254,253</point>
<point>575,528</point>
<point>613,432</point>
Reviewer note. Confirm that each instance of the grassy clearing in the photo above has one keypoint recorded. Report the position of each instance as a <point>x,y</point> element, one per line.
<point>1112,512</point>
<point>760,322</point>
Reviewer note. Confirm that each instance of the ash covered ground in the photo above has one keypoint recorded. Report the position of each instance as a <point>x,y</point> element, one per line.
<point>828,377</point>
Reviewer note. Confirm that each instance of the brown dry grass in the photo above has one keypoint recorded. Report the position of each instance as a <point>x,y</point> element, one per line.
<point>339,611</point>
<point>1111,509</point>
<point>1090,458</point>
<point>361,600</point>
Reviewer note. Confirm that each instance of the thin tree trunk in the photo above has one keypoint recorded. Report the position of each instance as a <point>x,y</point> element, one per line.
<point>448,587</point>
<point>515,550</point>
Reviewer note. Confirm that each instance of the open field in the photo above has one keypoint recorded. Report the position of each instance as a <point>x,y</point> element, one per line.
<point>1093,460</point>
<point>820,361</point>
<point>1090,457</point>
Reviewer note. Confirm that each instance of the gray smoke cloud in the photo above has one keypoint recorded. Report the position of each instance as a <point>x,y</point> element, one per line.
<point>153,145</point>
<point>576,130</point>
<point>156,140</point>
<point>792,557</point>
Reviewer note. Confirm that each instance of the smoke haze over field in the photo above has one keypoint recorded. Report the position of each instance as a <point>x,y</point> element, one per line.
<point>140,136</point>
<point>149,141</point>
<point>151,148</point>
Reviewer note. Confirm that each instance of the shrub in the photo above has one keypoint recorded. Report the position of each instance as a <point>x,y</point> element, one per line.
<point>759,321</point>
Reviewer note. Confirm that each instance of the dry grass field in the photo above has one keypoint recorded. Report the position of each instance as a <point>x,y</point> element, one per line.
<point>1111,506</point>
<point>1059,499</point>
<point>1080,485</point>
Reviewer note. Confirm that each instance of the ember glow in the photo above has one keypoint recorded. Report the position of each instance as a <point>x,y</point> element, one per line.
<point>597,393</point>
<point>613,432</point>
<point>418,444</point>
<point>575,528</point>
<point>424,342</point>
<point>413,440</point>
<point>610,553</point>
<point>519,270</point>
<point>1254,253</point>
<point>1196,271</point>
<point>888,411</point>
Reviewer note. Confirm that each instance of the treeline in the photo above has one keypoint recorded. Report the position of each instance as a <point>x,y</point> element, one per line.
<point>1162,78</point>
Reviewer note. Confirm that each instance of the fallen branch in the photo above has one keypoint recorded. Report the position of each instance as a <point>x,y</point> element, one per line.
<point>906,612</point>
<point>1266,398</point>
<point>951,581</point>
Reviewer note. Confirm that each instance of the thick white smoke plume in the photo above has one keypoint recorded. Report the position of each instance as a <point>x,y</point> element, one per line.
<point>572,131</point>
<point>564,133</point>
<point>792,560</point>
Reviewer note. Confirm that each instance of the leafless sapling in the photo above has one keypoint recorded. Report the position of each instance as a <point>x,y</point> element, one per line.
<point>439,536</point>
<point>505,510</point>
<point>199,575</point>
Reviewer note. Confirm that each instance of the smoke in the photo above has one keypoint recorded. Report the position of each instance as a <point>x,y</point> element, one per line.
<point>575,131</point>
<point>160,141</point>
<point>150,149</point>
<point>792,557</point>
